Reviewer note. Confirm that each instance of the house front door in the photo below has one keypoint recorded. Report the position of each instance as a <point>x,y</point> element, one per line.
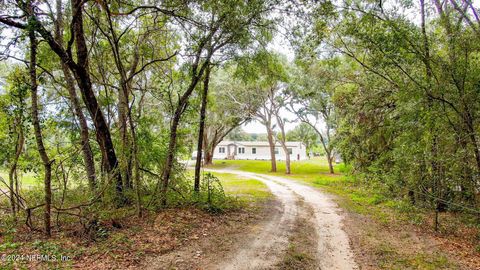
<point>232,151</point>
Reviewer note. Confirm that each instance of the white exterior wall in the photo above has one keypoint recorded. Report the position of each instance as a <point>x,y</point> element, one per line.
<point>262,150</point>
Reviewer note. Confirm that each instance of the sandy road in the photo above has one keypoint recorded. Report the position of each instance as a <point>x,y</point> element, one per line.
<point>263,251</point>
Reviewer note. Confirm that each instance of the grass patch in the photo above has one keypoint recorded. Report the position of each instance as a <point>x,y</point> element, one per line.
<point>28,179</point>
<point>244,188</point>
<point>304,167</point>
<point>389,258</point>
<point>300,253</point>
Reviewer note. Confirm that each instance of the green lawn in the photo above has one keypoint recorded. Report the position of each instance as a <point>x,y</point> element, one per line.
<point>312,166</point>
<point>313,172</point>
<point>26,179</point>
<point>249,189</point>
<point>243,188</point>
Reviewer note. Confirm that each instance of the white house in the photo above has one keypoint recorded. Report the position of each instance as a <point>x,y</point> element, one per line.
<point>258,150</point>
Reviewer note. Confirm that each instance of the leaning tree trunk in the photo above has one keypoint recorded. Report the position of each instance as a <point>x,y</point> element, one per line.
<point>209,157</point>
<point>287,158</point>
<point>203,111</point>
<point>325,146</point>
<point>38,132</point>
<point>271,143</point>
<point>82,76</point>
<point>84,132</point>
<point>330,161</point>
<point>170,154</point>
<point>77,110</point>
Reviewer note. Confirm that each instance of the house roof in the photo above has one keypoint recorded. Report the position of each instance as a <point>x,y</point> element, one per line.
<point>258,143</point>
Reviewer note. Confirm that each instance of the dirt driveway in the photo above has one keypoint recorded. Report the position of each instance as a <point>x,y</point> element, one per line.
<point>333,248</point>
<point>265,244</point>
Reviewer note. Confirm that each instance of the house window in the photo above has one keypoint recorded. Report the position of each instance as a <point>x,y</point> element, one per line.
<point>254,150</point>
<point>241,150</point>
<point>276,151</point>
<point>289,151</point>
<point>221,150</point>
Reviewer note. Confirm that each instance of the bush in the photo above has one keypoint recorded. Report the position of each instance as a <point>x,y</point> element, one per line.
<point>212,194</point>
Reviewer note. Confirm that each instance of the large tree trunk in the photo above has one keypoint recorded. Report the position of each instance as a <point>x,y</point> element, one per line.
<point>330,161</point>
<point>328,151</point>
<point>209,157</point>
<point>77,110</point>
<point>82,76</point>
<point>271,143</point>
<point>207,149</point>
<point>126,157</point>
<point>287,158</point>
<point>38,132</point>
<point>170,154</point>
<point>203,111</point>
<point>136,163</point>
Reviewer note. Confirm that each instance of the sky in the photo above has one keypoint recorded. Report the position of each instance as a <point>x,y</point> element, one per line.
<point>255,127</point>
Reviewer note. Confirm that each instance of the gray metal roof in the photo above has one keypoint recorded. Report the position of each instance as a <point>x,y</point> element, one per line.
<point>257,143</point>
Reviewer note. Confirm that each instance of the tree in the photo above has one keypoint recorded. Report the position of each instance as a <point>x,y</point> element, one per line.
<point>225,26</point>
<point>263,72</point>
<point>312,100</point>
<point>130,58</point>
<point>203,111</point>
<point>227,110</point>
<point>279,103</point>
<point>80,70</point>
<point>405,98</point>
<point>47,163</point>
